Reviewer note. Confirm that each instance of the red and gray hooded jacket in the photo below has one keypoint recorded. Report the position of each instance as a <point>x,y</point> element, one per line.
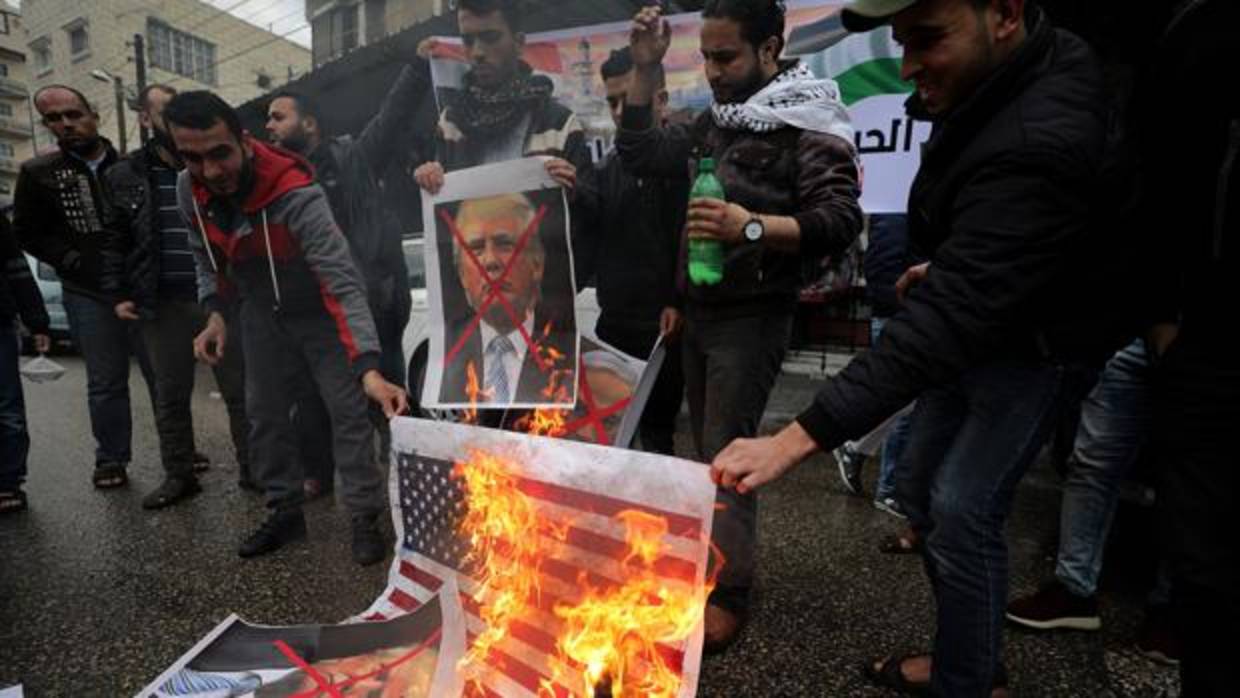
<point>280,249</point>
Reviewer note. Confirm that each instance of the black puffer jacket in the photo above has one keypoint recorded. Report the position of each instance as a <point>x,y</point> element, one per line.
<point>349,170</point>
<point>628,244</point>
<point>58,217</point>
<point>1006,206</point>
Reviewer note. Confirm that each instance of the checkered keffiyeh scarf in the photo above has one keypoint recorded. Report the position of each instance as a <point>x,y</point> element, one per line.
<point>794,98</point>
<point>481,111</point>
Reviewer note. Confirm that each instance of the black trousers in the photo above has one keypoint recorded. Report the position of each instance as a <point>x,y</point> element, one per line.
<point>1197,413</point>
<point>169,339</point>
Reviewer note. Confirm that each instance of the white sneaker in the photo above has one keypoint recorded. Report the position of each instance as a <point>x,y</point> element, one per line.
<point>890,506</point>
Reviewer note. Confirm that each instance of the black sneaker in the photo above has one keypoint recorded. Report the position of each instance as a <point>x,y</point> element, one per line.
<point>850,462</point>
<point>369,545</point>
<point>281,527</point>
<point>889,505</point>
<point>1157,639</point>
<point>173,490</point>
<point>1054,607</point>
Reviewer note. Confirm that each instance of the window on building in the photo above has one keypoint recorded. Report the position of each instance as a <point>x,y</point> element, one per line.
<point>177,52</point>
<point>4,23</point>
<point>4,70</point>
<point>334,33</point>
<point>79,37</point>
<point>41,51</point>
<point>6,150</point>
<point>6,109</point>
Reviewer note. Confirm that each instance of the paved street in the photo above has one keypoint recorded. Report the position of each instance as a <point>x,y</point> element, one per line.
<point>97,596</point>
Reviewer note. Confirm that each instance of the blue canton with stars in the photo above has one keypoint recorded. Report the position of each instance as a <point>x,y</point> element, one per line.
<point>432,506</point>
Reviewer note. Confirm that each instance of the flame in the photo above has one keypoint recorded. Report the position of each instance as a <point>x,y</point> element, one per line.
<point>474,390</point>
<point>549,421</point>
<point>615,634</point>
<point>506,547</point>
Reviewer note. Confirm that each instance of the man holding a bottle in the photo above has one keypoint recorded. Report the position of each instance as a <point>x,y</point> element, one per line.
<point>780,147</point>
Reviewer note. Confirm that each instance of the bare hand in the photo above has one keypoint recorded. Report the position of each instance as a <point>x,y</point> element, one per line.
<point>1161,337</point>
<point>563,172</point>
<point>911,278</point>
<point>390,397</point>
<point>650,37</point>
<point>127,310</point>
<point>209,344</point>
<point>670,322</point>
<point>426,47</point>
<point>42,343</point>
<point>429,176</point>
<point>747,464</point>
<point>712,218</point>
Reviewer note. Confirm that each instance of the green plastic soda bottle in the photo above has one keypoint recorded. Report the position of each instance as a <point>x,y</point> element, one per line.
<point>706,254</point>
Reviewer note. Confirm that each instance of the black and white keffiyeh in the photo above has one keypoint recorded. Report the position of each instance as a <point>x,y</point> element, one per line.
<point>796,98</point>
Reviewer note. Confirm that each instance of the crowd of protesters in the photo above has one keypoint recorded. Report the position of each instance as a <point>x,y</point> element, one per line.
<point>1013,292</point>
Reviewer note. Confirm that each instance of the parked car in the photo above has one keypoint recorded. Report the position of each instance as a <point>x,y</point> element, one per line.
<point>53,297</point>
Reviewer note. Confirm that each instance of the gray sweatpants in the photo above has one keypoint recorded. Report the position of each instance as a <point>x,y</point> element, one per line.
<point>280,350</point>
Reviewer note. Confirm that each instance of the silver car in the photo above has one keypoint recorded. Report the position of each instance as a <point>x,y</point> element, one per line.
<point>53,298</point>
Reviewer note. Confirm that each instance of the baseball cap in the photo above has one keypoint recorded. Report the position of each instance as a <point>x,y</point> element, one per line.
<point>864,15</point>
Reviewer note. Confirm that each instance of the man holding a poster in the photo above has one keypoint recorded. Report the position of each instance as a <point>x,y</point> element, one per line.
<point>505,110</point>
<point>784,152</point>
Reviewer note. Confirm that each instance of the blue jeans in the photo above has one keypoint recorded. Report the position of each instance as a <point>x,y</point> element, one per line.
<point>972,441</point>
<point>106,342</point>
<point>14,439</point>
<point>1115,419</point>
<point>897,438</point>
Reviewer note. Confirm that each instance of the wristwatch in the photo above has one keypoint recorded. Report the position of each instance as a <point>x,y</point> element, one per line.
<point>754,229</point>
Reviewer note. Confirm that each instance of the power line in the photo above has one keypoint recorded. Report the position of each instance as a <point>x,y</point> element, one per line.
<point>217,14</point>
<point>249,50</point>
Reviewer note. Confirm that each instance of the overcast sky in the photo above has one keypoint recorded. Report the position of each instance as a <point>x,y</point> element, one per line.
<point>278,16</point>
<point>286,17</point>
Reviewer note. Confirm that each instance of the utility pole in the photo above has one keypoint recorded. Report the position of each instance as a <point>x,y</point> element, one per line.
<point>120,110</point>
<point>139,60</point>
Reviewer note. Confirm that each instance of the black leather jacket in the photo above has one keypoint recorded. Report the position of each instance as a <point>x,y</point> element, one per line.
<point>58,217</point>
<point>131,244</point>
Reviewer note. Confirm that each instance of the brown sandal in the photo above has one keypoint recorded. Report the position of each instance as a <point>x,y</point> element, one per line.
<point>109,476</point>
<point>12,501</point>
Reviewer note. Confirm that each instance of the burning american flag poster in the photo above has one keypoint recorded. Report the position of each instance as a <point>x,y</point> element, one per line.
<point>500,290</point>
<point>578,566</point>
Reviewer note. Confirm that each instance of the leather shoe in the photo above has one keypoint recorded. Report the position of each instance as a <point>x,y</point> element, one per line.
<point>369,545</point>
<point>280,528</point>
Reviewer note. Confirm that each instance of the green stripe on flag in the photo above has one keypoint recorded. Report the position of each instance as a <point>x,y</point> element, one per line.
<point>880,76</point>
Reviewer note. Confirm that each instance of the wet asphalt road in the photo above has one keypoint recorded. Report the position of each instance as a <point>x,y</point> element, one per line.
<point>97,596</point>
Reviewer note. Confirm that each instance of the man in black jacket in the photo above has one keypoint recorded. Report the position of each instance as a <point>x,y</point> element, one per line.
<point>59,209</point>
<point>19,296</point>
<point>350,171</point>
<point>1003,206</point>
<point>629,248</point>
<point>783,149</point>
<point>149,268</point>
<point>1193,210</point>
